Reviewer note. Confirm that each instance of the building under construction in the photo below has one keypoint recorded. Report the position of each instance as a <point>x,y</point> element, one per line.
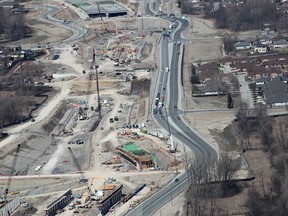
<point>100,8</point>
<point>137,156</point>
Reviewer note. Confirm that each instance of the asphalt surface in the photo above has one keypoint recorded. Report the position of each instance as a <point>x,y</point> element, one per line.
<point>78,31</point>
<point>204,154</point>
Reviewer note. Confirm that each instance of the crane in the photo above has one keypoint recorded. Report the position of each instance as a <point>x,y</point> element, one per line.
<point>88,191</point>
<point>90,188</point>
<point>103,25</point>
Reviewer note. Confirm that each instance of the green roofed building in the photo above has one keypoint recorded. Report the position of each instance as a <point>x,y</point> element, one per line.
<point>137,156</point>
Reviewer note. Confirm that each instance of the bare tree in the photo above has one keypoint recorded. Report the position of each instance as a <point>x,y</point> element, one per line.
<point>243,115</point>
<point>264,126</point>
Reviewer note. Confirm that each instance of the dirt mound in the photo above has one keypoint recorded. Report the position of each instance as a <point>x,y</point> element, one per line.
<point>55,119</point>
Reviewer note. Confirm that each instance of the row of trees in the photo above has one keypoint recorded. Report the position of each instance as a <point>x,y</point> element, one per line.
<point>270,196</point>
<point>17,91</point>
<point>208,184</point>
<point>253,14</point>
<point>264,199</point>
<point>12,25</point>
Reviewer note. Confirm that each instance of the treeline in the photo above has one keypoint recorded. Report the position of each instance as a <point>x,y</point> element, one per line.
<point>270,195</point>
<point>252,14</point>
<point>12,26</point>
<point>272,198</point>
<point>17,94</point>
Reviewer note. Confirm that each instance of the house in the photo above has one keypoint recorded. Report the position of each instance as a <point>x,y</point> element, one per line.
<point>264,39</point>
<point>8,4</point>
<point>276,93</point>
<point>210,87</point>
<point>260,48</point>
<point>242,45</point>
<point>262,80</point>
<point>281,78</point>
<point>282,43</point>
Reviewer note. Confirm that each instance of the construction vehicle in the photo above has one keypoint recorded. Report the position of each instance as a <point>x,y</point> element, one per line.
<point>88,191</point>
<point>108,187</point>
<point>102,22</point>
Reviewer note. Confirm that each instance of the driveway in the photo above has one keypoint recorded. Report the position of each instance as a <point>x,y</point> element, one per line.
<point>245,92</point>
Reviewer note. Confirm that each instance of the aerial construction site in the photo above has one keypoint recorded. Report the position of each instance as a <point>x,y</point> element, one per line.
<point>91,145</point>
<point>91,127</point>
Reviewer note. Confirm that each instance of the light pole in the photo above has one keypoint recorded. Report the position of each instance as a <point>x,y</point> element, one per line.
<point>97,88</point>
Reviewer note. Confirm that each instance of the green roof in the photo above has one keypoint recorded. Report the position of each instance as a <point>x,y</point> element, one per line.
<point>136,150</point>
<point>133,149</point>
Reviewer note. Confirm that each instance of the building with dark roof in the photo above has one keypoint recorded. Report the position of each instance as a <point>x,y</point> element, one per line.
<point>276,93</point>
<point>9,4</point>
<point>137,156</point>
<point>262,80</point>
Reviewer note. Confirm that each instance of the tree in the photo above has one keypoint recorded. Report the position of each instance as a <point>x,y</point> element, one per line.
<point>228,43</point>
<point>230,102</point>
<point>264,126</point>
<point>243,125</point>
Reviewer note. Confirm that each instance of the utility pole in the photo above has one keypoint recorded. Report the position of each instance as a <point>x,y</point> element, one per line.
<point>95,66</point>
<point>142,25</point>
<point>97,87</point>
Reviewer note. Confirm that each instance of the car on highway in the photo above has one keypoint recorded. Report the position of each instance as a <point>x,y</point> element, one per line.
<point>187,128</point>
<point>178,118</point>
<point>160,83</point>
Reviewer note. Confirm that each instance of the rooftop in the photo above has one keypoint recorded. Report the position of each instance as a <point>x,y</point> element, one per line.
<point>276,91</point>
<point>137,152</point>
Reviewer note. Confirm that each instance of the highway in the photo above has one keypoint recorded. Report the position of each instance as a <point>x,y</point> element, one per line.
<point>168,85</point>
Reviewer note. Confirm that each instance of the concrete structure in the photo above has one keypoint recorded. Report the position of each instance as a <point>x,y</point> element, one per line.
<point>10,207</point>
<point>111,200</point>
<point>100,8</point>
<point>59,203</point>
<point>136,156</point>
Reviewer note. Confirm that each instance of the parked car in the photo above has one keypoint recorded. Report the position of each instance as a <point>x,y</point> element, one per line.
<point>79,142</point>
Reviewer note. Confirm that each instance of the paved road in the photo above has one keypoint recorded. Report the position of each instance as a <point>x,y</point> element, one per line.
<point>245,91</point>
<point>203,152</point>
<point>78,31</point>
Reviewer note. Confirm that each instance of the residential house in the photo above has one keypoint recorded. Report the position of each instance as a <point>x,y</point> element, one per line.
<point>9,4</point>
<point>210,87</point>
<point>242,45</point>
<point>282,43</point>
<point>276,93</point>
<point>281,78</point>
<point>262,80</point>
<point>260,48</point>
